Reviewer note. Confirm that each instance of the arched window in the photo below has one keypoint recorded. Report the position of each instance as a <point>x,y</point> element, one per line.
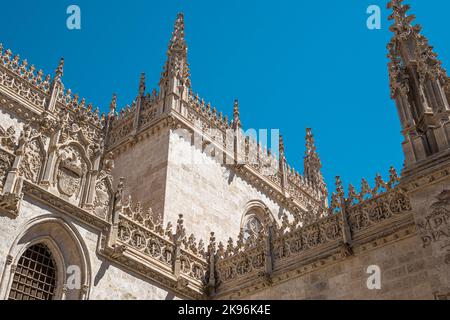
<point>35,275</point>
<point>252,225</point>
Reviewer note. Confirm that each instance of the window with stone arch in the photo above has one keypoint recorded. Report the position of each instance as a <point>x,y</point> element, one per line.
<point>252,225</point>
<point>254,220</point>
<point>35,276</point>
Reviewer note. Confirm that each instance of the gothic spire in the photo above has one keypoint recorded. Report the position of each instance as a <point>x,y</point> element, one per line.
<point>402,21</point>
<point>313,165</point>
<point>177,42</point>
<point>177,66</point>
<point>236,115</point>
<point>408,48</point>
<point>419,85</point>
<point>281,145</point>
<point>311,155</point>
<point>60,69</point>
<point>142,85</point>
<point>113,105</point>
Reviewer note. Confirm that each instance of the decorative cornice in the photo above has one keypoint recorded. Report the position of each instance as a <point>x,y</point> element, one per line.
<point>63,206</point>
<point>315,260</point>
<point>435,170</point>
<point>34,93</point>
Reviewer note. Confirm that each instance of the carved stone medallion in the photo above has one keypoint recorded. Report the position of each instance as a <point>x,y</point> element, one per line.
<point>68,182</point>
<point>70,171</point>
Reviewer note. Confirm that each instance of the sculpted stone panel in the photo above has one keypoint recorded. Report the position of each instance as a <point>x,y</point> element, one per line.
<point>435,227</point>
<point>252,225</point>
<point>70,173</point>
<point>75,127</point>
<point>103,188</point>
<point>120,129</point>
<point>145,241</point>
<point>8,138</point>
<point>6,161</point>
<point>250,261</point>
<point>377,210</point>
<point>103,198</point>
<point>7,147</point>
<point>32,161</point>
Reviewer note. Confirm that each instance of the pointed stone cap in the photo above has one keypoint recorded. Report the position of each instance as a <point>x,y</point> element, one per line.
<point>113,104</point>
<point>59,72</point>
<point>178,42</point>
<point>281,144</point>
<point>142,84</point>
<point>236,115</point>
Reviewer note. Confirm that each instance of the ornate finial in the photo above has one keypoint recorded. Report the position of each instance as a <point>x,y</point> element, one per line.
<point>313,165</point>
<point>393,177</point>
<point>108,162</point>
<point>60,69</point>
<point>180,232</point>
<point>177,42</point>
<point>121,184</point>
<point>352,194</point>
<point>281,145</point>
<point>402,21</point>
<point>236,115</point>
<point>176,65</point>
<point>212,242</point>
<point>142,84</point>
<point>310,146</point>
<point>339,187</point>
<point>365,188</point>
<point>120,191</point>
<point>311,156</point>
<point>113,105</point>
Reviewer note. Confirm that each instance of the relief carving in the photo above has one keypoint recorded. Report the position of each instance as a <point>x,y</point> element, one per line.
<point>8,139</point>
<point>103,188</point>
<point>102,199</point>
<point>8,144</point>
<point>435,228</point>
<point>32,161</point>
<point>6,161</point>
<point>70,172</point>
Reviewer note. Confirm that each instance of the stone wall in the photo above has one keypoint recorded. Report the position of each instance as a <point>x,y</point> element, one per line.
<point>432,218</point>
<point>7,120</point>
<point>210,196</point>
<point>144,167</point>
<point>107,281</point>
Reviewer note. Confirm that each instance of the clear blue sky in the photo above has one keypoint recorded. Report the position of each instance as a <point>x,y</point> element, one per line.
<point>292,64</point>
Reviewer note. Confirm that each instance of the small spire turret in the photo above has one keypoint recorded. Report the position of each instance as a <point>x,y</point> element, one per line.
<point>236,115</point>
<point>420,87</point>
<point>313,166</point>
<point>113,105</point>
<point>142,85</point>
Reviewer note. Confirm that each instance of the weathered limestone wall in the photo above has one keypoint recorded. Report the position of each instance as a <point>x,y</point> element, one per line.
<point>211,198</point>
<point>107,281</point>
<point>7,120</point>
<point>433,220</point>
<point>144,167</point>
<point>404,275</point>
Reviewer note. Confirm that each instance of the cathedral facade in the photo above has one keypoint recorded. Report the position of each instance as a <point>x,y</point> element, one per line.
<point>167,198</point>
